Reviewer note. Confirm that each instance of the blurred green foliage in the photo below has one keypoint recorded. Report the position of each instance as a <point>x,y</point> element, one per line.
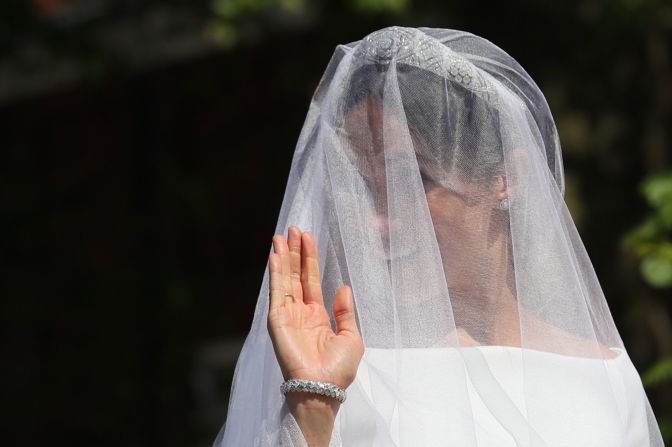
<point>232,16</point>
<point>651,240</point>
<point>652,244</point>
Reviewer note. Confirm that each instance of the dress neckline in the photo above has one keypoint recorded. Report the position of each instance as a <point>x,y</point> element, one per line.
<point>620,351</point>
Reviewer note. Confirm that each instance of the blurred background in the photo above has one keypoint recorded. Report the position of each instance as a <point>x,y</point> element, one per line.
<point>144,149</point>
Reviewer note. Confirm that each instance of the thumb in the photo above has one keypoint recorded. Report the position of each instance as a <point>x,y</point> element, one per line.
<point>344,311</point>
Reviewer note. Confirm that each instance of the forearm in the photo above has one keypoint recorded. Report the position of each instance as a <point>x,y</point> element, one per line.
<point>315,416</point>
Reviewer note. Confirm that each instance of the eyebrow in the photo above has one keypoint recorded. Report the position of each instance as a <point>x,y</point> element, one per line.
<point>448,188</point>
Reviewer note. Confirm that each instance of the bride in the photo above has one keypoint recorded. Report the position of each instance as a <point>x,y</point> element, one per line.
<point>428,176</point>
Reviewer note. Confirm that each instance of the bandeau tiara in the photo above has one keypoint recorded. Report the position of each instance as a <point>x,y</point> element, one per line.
<point>413,47</point>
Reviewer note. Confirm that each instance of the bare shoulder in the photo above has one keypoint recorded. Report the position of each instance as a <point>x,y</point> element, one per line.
<point>570,344</point>
<point>464,339</point>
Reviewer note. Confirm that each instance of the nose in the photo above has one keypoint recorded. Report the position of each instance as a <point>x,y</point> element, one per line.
<point>382,224</point>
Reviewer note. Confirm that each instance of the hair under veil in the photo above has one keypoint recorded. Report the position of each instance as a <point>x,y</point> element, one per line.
<point>429,171</point>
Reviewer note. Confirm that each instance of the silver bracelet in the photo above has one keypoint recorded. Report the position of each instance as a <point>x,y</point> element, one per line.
<point>311,386</point>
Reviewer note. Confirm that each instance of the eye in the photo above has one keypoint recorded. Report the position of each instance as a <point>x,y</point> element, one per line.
<point>427,181</point>
<point>430,183</point>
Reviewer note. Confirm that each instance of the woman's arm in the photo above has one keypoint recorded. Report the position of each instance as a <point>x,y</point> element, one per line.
<point>315,416</point>
<point>305,344</point>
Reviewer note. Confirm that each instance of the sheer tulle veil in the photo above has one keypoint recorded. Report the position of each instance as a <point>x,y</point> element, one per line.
<point>429,170</point>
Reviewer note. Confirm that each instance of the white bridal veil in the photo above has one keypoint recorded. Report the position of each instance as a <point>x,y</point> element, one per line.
<point>429,171</point>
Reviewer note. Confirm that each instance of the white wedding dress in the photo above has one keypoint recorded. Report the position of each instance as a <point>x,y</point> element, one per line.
<point>566,386</point>
<point>429,170</point>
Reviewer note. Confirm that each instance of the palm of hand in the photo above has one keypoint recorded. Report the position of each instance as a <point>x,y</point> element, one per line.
<point>305,344</point>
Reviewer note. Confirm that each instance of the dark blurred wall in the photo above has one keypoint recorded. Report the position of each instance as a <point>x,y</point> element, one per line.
<point>141,187</point>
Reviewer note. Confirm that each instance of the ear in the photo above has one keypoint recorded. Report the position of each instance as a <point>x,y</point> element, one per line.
<point>508,188</point>
<point>517,168</point>
<point>499,188</point>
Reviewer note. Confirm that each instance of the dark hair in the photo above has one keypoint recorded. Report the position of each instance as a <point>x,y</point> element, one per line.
<point>449,124</point>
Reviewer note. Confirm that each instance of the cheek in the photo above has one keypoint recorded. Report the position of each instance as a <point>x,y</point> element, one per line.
<point>455,223</point>
<point>448,212</point>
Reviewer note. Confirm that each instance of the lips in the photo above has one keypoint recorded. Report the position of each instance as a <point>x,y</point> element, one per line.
<point>394,231</point>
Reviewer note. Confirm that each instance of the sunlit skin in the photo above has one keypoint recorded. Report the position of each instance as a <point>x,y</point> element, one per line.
<point>470,227</point>
<point>305,344</point>
<point>472,234</point>
<point>473,245</point>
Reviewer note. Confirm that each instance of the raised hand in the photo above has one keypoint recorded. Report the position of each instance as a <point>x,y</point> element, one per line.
<point>305,344</point>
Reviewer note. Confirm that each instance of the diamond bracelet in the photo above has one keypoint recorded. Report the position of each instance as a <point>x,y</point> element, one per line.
<point>311,386</point>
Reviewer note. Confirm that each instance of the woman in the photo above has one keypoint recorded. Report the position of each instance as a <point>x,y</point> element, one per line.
<point>428,176</point>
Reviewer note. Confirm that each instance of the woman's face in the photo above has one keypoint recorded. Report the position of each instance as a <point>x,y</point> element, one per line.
<point>465,224</point>
<point>462,210</point>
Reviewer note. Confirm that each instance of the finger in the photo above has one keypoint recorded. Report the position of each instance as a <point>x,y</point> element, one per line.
<point>280,247</point>
<point>344,311</point>
<point>310,270</point>
<point>276,291</point>
<point>294,243</point>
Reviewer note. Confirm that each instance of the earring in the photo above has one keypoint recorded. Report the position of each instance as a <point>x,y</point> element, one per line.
<point>504,204</point>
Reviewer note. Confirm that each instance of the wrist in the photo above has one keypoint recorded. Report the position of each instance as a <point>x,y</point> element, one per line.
<point>314,403</point>
<point>315,416</point>
<point>313,387</point>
